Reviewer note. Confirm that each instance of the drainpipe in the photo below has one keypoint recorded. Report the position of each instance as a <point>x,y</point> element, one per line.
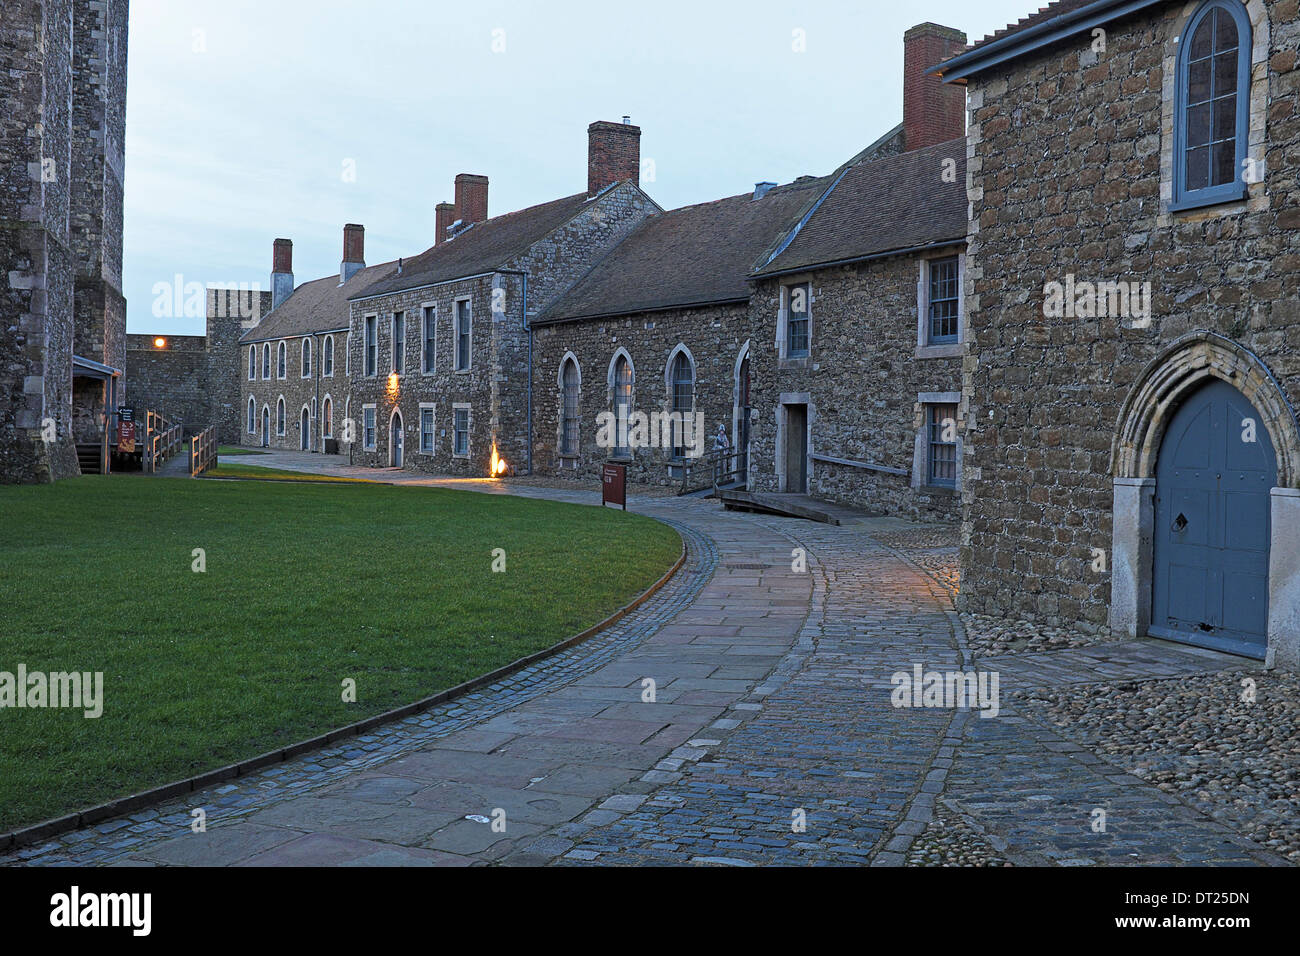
<point>318,358</point>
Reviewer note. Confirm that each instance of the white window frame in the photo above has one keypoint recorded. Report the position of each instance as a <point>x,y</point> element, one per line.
<point>252,415</point>
<point>469,430</point>
<point>347,355</point>
<point>432,450</point>
<point>398,356</point>
<point>282,360</point>
<point>281,417</point>
<point>924,350</point>
<point>266,361</point>
<point>429,311</point>
<point>373,444</point>
<point>783,320</point>
<point>306,356</point>
<point>455,334</point>
<point>921,454</point>
<point>252,363</point>
<point>327,349</point>
<point>327,420</point>
<point>367,370</point>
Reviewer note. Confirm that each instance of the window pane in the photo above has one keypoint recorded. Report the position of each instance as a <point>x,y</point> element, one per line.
<point>1203,41</point>
<point>1225,118</point>
<point>1198,89</point>
<point>1198,125</point>
<point>1225,31</point>
<point>1198,168</point>
<point>1225,163</point>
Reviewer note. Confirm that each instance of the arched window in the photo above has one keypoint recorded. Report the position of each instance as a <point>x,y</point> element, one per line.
<point>266,360</point>
<point>682,380</point>
<point>327,357</point>
<point>624,381</point>
<point>306,358</point>
<point>281,361</point>
<point>252,416</point>
<point>1211,128</point>
<point>570,381</point>
<point>252,363</point>
<point>327,418</point>
<point>279,416</point>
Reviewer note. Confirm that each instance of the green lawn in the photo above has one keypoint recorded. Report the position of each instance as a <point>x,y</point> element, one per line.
<point>305,586</point>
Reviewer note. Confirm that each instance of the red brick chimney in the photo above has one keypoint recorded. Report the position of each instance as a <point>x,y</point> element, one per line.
<point>354,251</point>
<point>445,215</point>
<point>471,198</point>
<point>281,272</point>
<point>282,256</point>
<point>933,111</point>
<point>613,154</point>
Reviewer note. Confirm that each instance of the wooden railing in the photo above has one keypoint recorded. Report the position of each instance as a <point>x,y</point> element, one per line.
<point>162,441</point>
<point>203,451</point>
<point>722,469</point>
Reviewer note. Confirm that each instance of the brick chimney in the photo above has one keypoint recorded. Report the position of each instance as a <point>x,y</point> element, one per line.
<point>281,272</point>
<point>354,251</point>
<point>471,198</point>
<point>933,111</point>
<point>446,215</point>
<point>613,154</point>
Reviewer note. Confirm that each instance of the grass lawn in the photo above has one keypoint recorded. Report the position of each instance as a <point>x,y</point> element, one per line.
<point>226,451</point>
<point>305,586</point>
<point>227,469</point>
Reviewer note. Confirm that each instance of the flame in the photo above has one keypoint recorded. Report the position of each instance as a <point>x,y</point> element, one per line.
<point>497,466</point>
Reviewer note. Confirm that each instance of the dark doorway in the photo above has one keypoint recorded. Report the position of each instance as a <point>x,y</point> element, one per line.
<point>796,449</point>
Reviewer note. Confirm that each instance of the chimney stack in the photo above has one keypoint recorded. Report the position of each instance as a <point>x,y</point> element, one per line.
<point>471,198</point>
<point>281,272</point>
<point>445,213</point>
<point>354,251</point>
<point>613,154</point>
<point>933,111</point>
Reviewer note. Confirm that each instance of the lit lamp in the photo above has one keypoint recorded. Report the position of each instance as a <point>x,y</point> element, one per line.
<point>160,343</point>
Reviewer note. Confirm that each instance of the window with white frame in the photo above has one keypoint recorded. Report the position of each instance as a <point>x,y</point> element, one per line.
<point>252,416</point>
<point>327,357</point>
<point>464,329</point>
<point>429,352</point>
<point>279,416</point>
<point>281,360</point>
<point>941,460</point>
<point>798,323</point>
<point>306,358</point>
<point>327,417</point>
<point>347,356</point>
<point>460,432</point>
<point>571,386</point>
<point>266,360</point>
<point>624,385</point>
<point>682,377</point>
<point>368,427</point>
<point>944,301</point>
<point>372,346</point>
<point>399,343</point>
<point>252,362</point>
<point>426,429</point>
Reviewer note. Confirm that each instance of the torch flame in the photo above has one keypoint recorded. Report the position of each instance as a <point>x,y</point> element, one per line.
<point>497,467</point>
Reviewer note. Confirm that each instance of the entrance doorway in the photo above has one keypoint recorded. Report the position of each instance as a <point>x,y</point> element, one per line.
<point>1214,476</point>
<point>796,449</point>
<point>743,413</point>
<point>395,440</point>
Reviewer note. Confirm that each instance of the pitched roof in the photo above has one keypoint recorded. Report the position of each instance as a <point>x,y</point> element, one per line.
<point>696,255</point>
<point>316,306</point>
<point>481,248</point>
<point>889,204</point>
<point>1054,9</point>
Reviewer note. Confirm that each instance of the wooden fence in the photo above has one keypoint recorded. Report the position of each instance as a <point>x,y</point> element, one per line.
<point>203,451</point>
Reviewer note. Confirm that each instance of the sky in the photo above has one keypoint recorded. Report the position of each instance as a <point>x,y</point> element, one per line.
<point>249,120</point>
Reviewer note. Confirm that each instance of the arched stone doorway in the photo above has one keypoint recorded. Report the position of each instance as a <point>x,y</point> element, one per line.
<point>1170,412</point>
<point>396,446</point>
<point>304,431</point>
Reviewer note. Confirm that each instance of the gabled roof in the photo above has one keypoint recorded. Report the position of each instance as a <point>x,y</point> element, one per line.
<point>1057,21</point>
<point>693,256</point>
<point>317,306</point>
<point>481,248</point>
<point>890,204</point>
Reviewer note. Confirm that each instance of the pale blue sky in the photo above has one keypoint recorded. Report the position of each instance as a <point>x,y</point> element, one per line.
<point>242,114</point>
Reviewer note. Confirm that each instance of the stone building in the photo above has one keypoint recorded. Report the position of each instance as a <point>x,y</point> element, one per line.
<point>441,345</point>
<point>1132,455</point>
<point>62,313</point>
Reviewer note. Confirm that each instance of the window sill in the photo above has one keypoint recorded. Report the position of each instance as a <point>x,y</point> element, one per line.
<point>803,362</point>
<point>942,491</point>
<point>1238,192</point>
<point>945,351</point>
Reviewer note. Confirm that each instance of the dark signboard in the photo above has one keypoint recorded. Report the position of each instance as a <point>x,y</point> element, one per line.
<point>126,437</point>
<point>614,485</point>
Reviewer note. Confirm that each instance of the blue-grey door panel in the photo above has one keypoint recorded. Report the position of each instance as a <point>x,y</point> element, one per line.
<point>1214,477</point>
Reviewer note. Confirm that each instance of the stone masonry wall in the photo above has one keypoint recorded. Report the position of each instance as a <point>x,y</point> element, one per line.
<point>1071,153</point>
<point>862,379</point>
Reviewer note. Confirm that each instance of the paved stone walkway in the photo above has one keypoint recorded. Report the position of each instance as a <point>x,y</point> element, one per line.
<point>770,738</point>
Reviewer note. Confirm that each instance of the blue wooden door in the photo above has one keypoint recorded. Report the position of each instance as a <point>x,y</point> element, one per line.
<point>1214,477</point>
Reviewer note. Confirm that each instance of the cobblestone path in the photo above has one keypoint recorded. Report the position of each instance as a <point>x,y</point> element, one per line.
<point>743,716</point>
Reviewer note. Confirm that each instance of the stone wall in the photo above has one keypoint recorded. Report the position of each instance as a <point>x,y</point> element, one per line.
<point>172,381</point>
<point>1070,175</point>
<point>714,337</point>
<point>296,391</point>
<point>863,382</point>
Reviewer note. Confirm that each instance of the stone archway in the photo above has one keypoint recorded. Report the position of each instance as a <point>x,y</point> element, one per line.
<point>1180,370</point>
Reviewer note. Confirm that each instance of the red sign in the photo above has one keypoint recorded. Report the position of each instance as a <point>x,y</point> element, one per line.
<point>126,437</point>
<point>614,485</point>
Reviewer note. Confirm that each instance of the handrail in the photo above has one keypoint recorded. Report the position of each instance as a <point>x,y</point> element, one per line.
<point>203,451</point>
<point>712,471</point>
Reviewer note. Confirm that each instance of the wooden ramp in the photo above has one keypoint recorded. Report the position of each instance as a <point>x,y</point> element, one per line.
<point>787,505</point>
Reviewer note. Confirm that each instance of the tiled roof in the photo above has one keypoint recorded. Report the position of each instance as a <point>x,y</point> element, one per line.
<point>316,306</point>
<point>481,248</point>
<point>898,202</point>
<point>695,255</point>
<point>1055,9</point>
